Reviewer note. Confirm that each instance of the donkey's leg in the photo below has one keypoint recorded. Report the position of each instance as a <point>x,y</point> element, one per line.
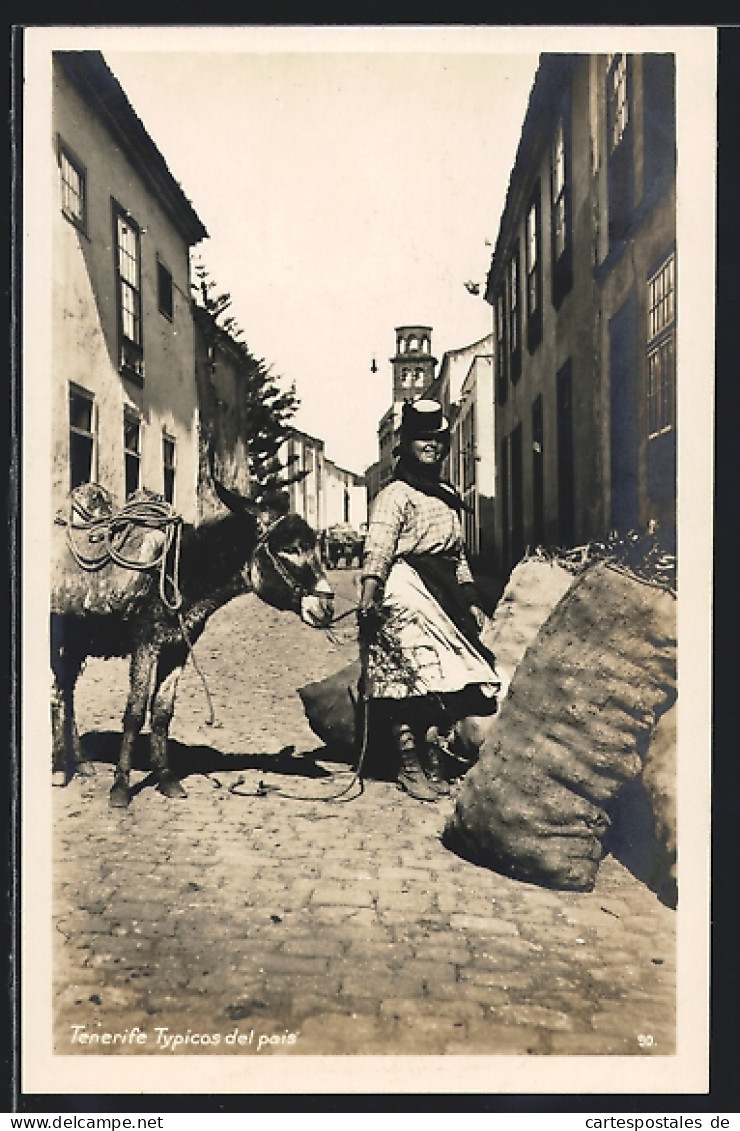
<point>66,747</point>
<point>83,766</point>
<point>58,738</point>
<point>80,764</point>
<point>169,671</point>
<point>143,663</point>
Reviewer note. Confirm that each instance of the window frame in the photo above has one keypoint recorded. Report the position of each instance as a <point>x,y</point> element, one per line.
<point>618,96</point>
<point>558,181</point>
<point>169,468</point>
<point>168,310</point>
<point>468,449</point>
<point>620,150</point>
<point>131,456</point>
<point>561,221</point>
<point>64,153</point>
<point>533,269</point>
<point>513,314</point>
<point>502,367</point>
<point>75,430</point>
<point>661,348</point>
<point>131,349</point>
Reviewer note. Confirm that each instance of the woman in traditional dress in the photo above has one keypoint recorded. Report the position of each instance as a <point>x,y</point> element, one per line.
<point>424,664</point>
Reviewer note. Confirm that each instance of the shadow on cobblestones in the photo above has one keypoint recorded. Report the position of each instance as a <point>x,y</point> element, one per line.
<point>102,748</point>
<point>347,927</point>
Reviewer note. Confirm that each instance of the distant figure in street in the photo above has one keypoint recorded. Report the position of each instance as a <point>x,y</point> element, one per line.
<point>419,613</point>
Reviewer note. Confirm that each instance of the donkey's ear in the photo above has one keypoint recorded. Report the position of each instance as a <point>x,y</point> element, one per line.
<point>237,504</point>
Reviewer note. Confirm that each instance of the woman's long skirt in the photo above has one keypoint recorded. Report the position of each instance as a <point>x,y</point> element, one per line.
<point>418,649</point>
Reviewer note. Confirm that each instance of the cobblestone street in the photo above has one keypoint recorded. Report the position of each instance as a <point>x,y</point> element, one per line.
<point>271,919</point>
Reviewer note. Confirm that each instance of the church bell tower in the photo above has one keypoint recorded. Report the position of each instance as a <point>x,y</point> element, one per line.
<point>413,364</point>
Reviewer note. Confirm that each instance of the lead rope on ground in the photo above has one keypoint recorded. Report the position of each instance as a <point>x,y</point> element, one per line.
<point>392,647</point>
<point>356,777</point>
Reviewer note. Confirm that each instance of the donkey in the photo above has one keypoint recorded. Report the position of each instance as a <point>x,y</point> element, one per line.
<point>256,547</point>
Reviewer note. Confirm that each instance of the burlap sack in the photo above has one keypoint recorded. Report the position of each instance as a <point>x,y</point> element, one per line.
<point>534,587</point>
<point>573,729</point>
<point>331,707</point>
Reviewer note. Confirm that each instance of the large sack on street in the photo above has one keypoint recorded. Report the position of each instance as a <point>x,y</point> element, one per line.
<point>331,707</point>
<point>659,779</point>
<point>533,590</point>
<point>572,730</point>
<point>85,578</point>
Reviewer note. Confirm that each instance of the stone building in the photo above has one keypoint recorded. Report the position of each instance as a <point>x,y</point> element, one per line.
<point>124,398</point>
<point>327,494</point>
<point>472,458</point>
<point>582,286</point>
<point>372,481</point>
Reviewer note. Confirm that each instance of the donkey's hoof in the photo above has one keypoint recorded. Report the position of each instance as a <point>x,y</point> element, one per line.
<point>170,787</point>
<point>119,795</point>
<point>58,778</point>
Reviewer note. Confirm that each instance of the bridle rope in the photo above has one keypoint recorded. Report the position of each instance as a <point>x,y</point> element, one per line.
<point>297,590</point>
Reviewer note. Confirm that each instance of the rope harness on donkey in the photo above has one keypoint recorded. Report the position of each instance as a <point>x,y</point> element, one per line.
<point>105,534</point>
<point>96,536</point>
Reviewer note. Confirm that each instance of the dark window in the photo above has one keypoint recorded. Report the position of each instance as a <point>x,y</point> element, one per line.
<point>513,316</point>
<point>659,124</point>
<point>165,294</point>
<point>132,450</point>
<point>81,437</point>
<point>168,463</point>
<point>73,189</point>
<point>504,495</point>
<point>619,145</point>
<point>533,266</point>
<point>624,415</point>
<point>538,473</point>
<point>502,366</point>
<point>618,110</point>
<point>566,457</point>
<point>559,218</point>
<point>560,206</point>
<point>467,436</point>
<point>517,495</point>
<point>128,276</point>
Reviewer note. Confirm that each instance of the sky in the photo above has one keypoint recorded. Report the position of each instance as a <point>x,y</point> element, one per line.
<point>345,192</point>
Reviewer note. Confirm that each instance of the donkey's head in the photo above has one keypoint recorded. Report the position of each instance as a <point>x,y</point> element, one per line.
<point>284,568</point>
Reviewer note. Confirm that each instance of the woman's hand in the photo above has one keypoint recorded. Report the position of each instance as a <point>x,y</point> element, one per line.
<point>369,595</point>
<point>369,616</point>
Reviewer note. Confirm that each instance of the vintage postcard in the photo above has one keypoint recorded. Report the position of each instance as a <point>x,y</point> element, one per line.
<point>367,400</point>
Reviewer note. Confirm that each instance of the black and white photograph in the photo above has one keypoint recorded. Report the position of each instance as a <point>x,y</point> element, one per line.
<point>366,724</point>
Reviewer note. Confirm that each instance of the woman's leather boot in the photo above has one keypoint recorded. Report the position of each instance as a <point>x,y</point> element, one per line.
<point>411,776</point>
<point>436,763</point>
